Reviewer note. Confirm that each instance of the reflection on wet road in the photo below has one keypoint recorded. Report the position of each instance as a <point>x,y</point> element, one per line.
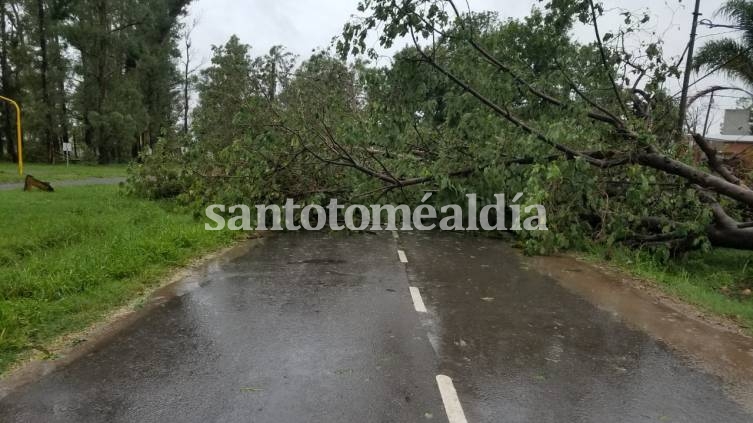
<point>338,328</point>
<point>523,349</point>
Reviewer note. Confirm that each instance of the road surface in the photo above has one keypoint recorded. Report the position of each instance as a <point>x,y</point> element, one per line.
<point>370,328</point>
<point>68,183</point>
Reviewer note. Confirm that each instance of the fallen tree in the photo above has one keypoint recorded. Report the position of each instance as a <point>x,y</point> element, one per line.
<point>432,20</point>
<point>476,105</point>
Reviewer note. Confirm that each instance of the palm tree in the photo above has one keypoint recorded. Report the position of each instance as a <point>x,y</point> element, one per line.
<point>731,56</point>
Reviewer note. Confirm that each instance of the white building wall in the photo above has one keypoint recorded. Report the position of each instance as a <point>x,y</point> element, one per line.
<point>736,122</point>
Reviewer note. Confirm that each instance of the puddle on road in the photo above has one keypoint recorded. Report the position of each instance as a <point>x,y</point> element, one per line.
<point>324,261</point>
<point>710,345</point>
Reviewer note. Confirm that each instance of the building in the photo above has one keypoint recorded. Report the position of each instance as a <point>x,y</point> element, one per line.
<point>736,140</point>
<point>737,122</point>
<point>730,145</point>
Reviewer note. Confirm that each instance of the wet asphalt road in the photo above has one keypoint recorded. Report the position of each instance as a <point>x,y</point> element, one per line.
<point>322,328</point>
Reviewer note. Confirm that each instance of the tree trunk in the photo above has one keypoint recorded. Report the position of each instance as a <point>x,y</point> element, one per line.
<point>691,174</point>
<point>727,232</point>
<point>62,114</point>
<point>186,83</point>
<point>8,133</point>
<point>49,138</point>
<point>729,237</point>
<point>103,146</point>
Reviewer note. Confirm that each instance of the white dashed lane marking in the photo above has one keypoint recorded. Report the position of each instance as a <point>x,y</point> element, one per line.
<point>403,257</point>
<point>418,302</point>
<point>450,399</point>
<point>452,405</point>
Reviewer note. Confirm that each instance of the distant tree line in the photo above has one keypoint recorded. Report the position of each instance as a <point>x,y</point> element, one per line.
<point>102,72</point>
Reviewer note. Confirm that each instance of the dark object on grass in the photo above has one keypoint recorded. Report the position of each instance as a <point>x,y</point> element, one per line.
<point>32,182</point>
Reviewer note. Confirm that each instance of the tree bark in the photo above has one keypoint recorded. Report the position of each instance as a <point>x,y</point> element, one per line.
<point>186,83</point>
<point>62,116</point>
<point>8,133</point>
<point>49,138</point>
<point>693,175</point>
<point>738,239</point>
<point>104,149</point>
<point>713,159</point>
<point>727,232</point>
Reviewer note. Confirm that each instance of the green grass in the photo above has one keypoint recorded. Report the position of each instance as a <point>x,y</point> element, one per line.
<point>59,172</point>
<point>715,281</point>
<point>68,258</point>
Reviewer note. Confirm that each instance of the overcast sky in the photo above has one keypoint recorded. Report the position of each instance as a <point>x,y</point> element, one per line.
<point>304,25</point>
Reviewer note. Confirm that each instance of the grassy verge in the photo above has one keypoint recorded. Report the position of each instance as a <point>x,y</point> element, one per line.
<point>70,257</point>
<point>59,172</point>
<point>718,281</point>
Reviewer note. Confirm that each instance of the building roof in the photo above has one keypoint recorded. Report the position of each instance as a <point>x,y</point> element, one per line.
<point>731,138</point>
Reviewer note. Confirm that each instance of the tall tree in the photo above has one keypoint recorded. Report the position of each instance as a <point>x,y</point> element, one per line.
<point>273,71</point>
<point>128,50</point>
<point>46,106</point>
<point>225,90</point>
<point>7,133</point>
<point>187,76</point>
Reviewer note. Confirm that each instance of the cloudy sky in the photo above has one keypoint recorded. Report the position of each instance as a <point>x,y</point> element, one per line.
<point>304,25</point>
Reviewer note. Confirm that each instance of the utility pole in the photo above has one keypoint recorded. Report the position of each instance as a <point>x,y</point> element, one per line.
<point>688,69</point>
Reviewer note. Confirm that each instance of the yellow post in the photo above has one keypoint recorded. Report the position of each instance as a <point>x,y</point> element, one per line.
<point>19,135</point>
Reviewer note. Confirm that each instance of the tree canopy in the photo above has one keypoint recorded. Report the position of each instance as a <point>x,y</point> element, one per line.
<point>478,104</point>
<point>101,73</point>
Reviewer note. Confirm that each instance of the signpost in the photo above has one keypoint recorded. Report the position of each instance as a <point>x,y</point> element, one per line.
<point>67,149</point>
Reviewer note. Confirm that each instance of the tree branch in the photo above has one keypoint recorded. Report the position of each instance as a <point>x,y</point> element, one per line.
<point>713,159</point>
<point>604,60</point>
